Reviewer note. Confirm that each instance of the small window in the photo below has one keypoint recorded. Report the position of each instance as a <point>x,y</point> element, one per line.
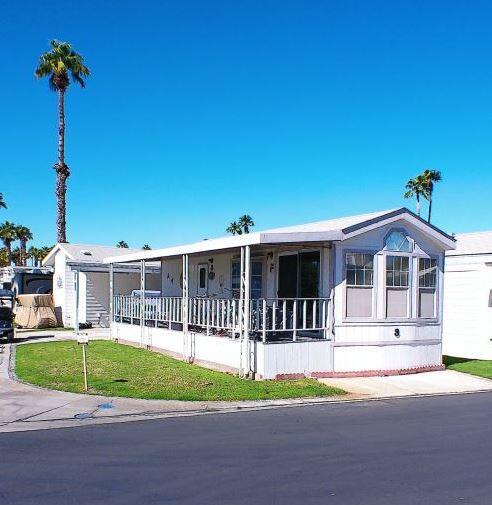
<point>202,280</point>
<point>359,279</point>
<point>398,241</point>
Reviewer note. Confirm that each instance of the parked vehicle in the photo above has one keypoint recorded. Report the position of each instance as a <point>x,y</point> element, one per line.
<point>7,329</point>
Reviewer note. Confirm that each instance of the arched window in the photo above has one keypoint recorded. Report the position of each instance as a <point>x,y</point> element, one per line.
<point>397,241</point>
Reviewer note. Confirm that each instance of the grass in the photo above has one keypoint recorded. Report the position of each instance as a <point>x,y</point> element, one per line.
<point>482,368</point>
<point>119,370</point>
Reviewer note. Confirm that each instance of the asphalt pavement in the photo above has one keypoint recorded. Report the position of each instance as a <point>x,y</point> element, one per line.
<point>411,451</point>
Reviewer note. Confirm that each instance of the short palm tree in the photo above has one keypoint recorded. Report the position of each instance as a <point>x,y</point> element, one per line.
<point>234,228</point>
<point>415,187</point>
<point>16,256</point>
<point>7,236</point>
<point>3,205</point>
<point>61,65</point>
<point>4,259</point>
<point>146,247</point>
<point>122,244</point>
<point>246,222</point>
<point>430,177</point>
<point>33,254</point>
<point>23,234</point>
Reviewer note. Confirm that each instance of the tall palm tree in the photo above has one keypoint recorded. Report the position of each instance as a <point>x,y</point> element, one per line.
<point>415,187</point>
<point>3,205</point>
<point>430,177</point>
<point>23,234</point>
<point>7,236</point>
<point>246,222</point>
<point>122,244</point>
<point>62,65</point>
<point>234,228</point>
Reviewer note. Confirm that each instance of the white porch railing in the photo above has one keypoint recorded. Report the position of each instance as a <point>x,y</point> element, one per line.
<point>270,318</point>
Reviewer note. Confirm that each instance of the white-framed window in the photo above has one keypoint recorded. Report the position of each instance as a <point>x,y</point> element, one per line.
<point>256,278</point>
<point>359,284</point>
<point>427,287</point>
<point>397,285</point>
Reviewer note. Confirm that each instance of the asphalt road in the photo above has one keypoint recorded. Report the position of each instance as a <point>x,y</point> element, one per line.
<point>410,451</point>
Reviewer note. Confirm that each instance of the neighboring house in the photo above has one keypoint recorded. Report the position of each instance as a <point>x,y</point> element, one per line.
<point>467,331</point>
<point>27,280</point>
<point>84,263</point>
<point>350,296</point>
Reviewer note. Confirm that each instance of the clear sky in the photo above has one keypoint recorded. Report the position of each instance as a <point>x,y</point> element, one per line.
<point>291,111</point>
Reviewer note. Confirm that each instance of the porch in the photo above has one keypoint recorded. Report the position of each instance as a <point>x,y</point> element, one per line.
<point>219,308</point>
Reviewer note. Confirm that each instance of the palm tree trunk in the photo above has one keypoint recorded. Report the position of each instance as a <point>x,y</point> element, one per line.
<point>8,248</point>
<point>23,258</point>
<point>430,208</point>
<point>418,205</point>
<point>62,172</point>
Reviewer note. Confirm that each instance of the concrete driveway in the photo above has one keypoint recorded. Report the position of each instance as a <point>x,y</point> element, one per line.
<point>427,383</point>
<point>24,407</point>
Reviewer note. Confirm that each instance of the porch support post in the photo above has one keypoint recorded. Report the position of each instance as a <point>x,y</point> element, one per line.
<point>142,301</point>
<point>241,312</point>
<point>247,306</point>
<point>185,305</point>
<point>111,299</point>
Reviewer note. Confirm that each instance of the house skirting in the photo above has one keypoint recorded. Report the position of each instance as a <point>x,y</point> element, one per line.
<point>286,360</point>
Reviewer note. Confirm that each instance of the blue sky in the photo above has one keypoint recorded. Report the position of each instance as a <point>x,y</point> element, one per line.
<point>197,112</point>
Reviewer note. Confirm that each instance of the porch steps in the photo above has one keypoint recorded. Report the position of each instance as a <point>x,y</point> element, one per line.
<point>95,312</point>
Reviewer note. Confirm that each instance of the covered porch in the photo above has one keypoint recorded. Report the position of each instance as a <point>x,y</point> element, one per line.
<point>234,307</point>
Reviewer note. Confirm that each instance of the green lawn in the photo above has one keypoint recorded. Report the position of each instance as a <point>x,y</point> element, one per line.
<point>120,370</point>
<point>479,367</point>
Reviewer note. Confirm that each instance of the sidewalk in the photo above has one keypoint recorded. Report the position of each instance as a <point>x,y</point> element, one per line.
<point>24,407</point>
<point>426,383</point>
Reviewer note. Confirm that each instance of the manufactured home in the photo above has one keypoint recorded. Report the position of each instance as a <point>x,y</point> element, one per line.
<point>467,330</point>
<point>359,295</point>
<point>81,282</point>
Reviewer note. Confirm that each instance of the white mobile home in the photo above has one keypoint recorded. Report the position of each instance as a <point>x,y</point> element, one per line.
<point>83,263</point>
<point>467,330</point>
<point>349,296</point>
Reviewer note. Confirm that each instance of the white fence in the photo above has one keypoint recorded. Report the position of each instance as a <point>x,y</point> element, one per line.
<point>270,318</point>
